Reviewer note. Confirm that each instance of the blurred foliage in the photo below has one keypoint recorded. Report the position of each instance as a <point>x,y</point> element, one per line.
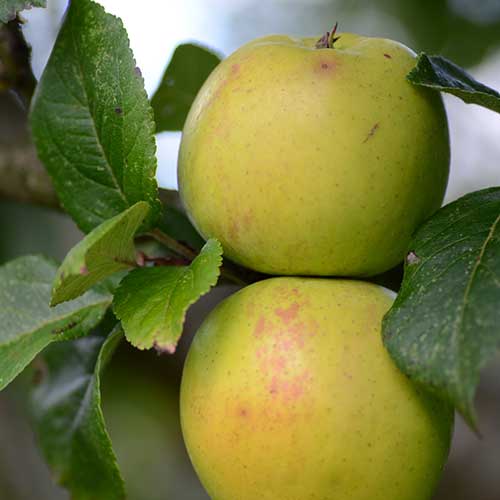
<point>464,31</point>
<point>446,27</point>
<point>142,414</point>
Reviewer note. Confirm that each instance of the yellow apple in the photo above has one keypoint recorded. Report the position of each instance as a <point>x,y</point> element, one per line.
<point>314,161</point>
<point>288,394</point>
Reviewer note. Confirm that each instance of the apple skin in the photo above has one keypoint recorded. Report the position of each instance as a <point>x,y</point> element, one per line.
<point>288,394</point>
<point>306,161</point>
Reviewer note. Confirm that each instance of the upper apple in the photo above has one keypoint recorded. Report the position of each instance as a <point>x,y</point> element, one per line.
<point>317,161</point>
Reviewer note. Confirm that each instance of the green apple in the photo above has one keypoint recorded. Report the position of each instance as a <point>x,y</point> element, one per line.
<point>288,394</point>
<point>314,161</point>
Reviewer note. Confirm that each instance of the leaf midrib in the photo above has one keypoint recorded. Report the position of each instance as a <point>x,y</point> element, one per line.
<point>458,331</point>
<point>98,139</point>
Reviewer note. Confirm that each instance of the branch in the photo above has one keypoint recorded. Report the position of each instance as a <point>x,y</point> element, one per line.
<point>22,177</point>
<point>15,68</point>
<point>230,272</point>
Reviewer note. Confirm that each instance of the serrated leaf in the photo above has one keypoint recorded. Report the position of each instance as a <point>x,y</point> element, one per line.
<point>108,249</point>
<point>152,302</point>
<point>10,8</point>
<point>445,323</point>
<point>28,324</point>
<point>439,73</point>
<point>69,421</point>
<point>92,123</point>
<point>188,69</point>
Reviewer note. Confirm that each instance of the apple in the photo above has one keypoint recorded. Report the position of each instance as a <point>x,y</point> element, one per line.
<point>288,394</point>
<point>307,158</point>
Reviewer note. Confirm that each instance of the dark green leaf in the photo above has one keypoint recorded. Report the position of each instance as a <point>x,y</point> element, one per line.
<point>108,249</point>
<point>10,8</point>
<point>445,323</point>
<point>438,73</point>
<point>175,222</point>
<point>92,122</point>
<point>69,419</point>
<point>28,324</point>
<point>177,225</point>
<point>152,302</point>
<point>187,71</point>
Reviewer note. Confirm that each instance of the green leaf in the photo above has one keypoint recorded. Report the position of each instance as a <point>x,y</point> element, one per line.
<point>92,123</point>
<point>28,324</point>
<point>445,323</point>
<point>108,249</point>
<point>10,8</point>
<point>187,71</point>
<point>152,302</point>
<point>69,421</point>
<point>439,73</point>
<point>176,224</point>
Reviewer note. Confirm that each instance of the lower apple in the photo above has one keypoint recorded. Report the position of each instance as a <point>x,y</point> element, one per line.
<point>289,394</point>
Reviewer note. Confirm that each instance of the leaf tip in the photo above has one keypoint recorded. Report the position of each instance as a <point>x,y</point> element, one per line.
<point>468,412</point>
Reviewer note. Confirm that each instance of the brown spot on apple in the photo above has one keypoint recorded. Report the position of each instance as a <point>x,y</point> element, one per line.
<point>325,67</point>
<point>242,412</point>
<point>372,131</point>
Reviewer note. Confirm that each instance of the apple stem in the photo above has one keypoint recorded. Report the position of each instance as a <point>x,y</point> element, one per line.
<point>327,41</point>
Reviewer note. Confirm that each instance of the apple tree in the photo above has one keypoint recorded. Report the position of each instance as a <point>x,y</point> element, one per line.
<point>142,263</point>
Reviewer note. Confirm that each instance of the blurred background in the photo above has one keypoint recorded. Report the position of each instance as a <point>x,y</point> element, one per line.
<point>141,405</point>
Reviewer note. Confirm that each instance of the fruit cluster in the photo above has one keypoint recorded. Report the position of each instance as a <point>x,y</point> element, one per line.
<point>311,158</point>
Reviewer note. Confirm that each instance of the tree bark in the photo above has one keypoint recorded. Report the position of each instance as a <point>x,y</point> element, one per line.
<point>22,177</point>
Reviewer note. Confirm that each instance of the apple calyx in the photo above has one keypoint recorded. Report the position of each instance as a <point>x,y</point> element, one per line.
<point>327,41</point>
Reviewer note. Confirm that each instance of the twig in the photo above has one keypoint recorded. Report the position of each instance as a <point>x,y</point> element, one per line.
<point>173,244</point>
<point>186,252</point>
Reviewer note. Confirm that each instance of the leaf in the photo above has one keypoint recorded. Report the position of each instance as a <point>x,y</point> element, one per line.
<point>92,123</point>
<point>175,222</point>
<point>10,8</point>
<point>152,302</point>
<point>109,248</point>
<point>177,225</point>
<point>438,73</point>
<point>445,323</point>
<point>187,71</point>
<point>27,322</point>
<point>69,421</point>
